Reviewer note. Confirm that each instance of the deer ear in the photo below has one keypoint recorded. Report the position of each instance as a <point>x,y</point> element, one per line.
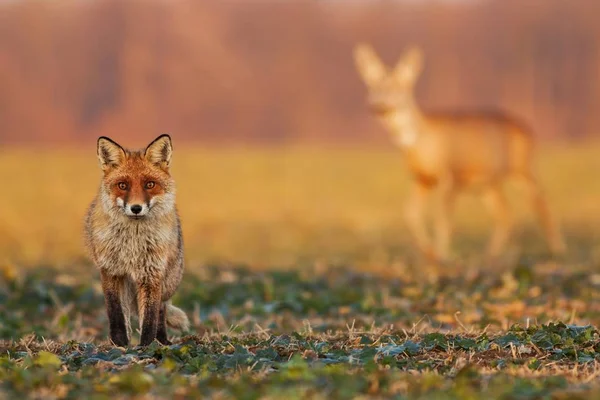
<point>368,63</point>
<point>410,65</point>
<point>110,153</point>
<point>159,151</point>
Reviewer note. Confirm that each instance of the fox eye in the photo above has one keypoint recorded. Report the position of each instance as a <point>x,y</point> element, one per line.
<point>150,185</point>
<point>122,185</point>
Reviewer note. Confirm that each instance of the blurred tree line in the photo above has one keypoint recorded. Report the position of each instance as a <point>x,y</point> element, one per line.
<point>277,72</point>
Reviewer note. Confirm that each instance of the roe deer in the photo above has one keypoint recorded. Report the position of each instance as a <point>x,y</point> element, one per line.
<point>451,152</point>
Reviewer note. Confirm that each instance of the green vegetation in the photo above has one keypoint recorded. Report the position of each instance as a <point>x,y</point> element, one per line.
<point>336,334</point>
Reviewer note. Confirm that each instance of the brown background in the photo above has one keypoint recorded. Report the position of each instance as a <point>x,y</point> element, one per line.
<point>282,71</point>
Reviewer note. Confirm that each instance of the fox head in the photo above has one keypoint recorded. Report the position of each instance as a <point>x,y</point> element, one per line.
<point>137,184</point>
<point>389,89</point>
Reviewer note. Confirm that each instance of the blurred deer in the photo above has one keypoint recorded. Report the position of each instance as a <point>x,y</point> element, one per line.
<point>450,153</point>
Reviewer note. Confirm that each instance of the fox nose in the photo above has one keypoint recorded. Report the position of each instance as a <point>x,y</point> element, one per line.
<point>136,209</point>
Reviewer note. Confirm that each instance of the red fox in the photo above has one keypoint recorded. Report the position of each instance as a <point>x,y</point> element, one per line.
<point>451,152</point>
<point>133,234</point>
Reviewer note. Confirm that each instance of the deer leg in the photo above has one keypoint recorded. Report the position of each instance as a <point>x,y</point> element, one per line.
<point>414,216</point>
<point>540,205</point>
<point>443,222</point>
<point>496,203</point>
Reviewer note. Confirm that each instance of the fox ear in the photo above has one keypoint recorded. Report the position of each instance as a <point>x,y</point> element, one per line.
<point>410,65</point>
<point>159,151</point>
<point>110,154</point>
<point>368,63</point>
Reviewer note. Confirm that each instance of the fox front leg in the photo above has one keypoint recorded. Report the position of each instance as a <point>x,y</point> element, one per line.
<point>161,334</point>
<point>149,304</point>
<point>111,286</point>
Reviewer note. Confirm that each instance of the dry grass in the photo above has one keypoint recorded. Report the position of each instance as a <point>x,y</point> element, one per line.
<point>279,206</point>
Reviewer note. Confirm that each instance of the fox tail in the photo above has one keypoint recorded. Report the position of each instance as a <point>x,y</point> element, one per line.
<point>177,319</point>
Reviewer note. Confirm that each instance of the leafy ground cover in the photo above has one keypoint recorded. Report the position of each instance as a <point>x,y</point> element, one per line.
<point>301,334</point>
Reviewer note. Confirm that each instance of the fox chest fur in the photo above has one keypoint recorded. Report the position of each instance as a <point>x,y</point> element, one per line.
<point>138,249</point>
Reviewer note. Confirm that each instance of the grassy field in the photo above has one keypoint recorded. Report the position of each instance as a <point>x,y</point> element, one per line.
<point>302,282</point>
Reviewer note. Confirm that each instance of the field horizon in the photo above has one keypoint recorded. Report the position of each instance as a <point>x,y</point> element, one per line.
<point>282,205</point>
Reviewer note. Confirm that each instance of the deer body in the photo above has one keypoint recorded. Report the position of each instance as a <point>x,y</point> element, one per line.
<point>471,150</point>
<point>451,153</point>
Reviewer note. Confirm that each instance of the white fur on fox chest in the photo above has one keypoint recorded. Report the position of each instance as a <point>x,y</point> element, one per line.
<point>135,248</point>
